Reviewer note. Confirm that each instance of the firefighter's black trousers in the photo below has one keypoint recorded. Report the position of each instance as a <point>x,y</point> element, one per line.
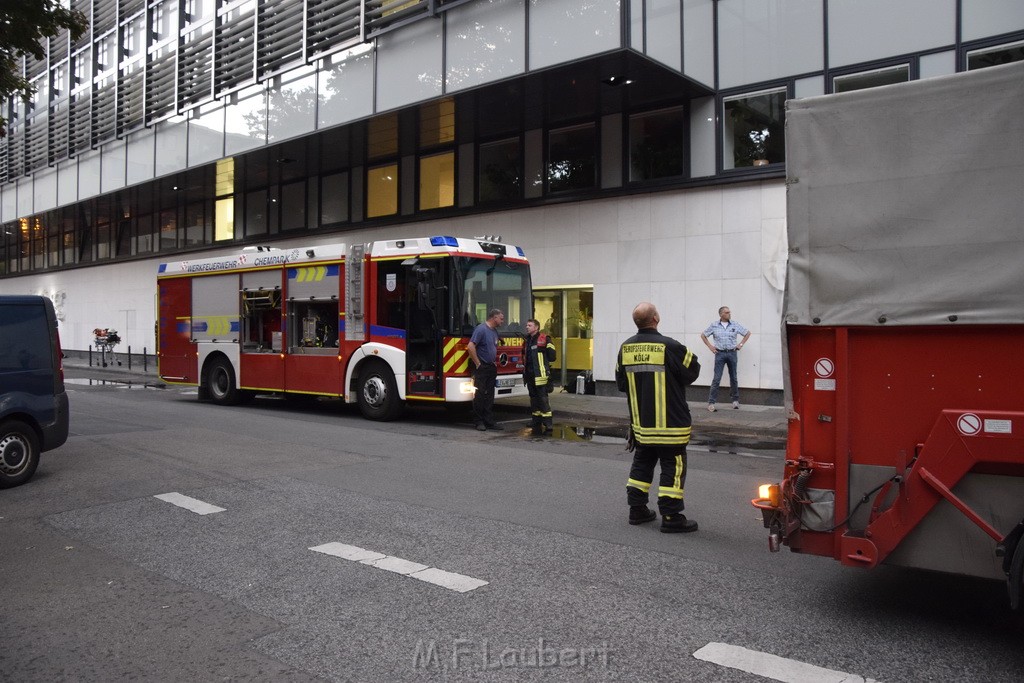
<point>540,407</point>
<point>673,477</point>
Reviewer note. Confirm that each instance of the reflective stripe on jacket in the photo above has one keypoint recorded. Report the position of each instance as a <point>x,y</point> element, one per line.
<point>654,371</point>
<point>537,360</point>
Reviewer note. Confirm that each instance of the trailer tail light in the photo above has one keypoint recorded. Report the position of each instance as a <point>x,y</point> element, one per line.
<point>770,493</point>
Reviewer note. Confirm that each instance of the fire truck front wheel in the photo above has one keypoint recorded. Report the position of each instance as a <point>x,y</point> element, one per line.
<point>220,383</point>
<point>378,392</point>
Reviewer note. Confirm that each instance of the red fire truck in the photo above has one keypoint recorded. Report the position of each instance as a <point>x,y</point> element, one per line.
<point>376,324</point>
<point>903,324</point>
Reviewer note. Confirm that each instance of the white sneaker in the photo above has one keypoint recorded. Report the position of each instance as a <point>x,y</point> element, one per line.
<point>711,407</point>
<point>736,405</point>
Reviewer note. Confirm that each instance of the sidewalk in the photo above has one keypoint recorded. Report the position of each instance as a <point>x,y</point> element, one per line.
<point>762,422</point>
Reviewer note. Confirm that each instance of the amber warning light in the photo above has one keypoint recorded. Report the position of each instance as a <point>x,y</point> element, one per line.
<point>771,493</point>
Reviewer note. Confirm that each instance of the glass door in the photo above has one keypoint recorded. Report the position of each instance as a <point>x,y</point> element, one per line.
<point>567,315</point>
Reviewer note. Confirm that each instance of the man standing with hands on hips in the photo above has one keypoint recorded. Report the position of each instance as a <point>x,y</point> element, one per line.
<point>724,333</point>
<point>483,350</point>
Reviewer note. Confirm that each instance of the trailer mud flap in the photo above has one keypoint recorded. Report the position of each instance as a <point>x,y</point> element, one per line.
<point>1012,552</point>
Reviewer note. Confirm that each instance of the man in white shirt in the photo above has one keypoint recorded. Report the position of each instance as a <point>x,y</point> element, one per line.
<point>724,333</point>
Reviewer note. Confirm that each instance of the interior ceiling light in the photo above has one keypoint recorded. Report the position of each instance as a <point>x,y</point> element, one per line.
<point>616,81</point>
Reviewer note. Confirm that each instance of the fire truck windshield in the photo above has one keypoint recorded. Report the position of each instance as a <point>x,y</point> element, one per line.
<point>488,284</point>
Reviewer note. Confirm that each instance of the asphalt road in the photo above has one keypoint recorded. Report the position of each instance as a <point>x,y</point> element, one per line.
<point>486,556</point>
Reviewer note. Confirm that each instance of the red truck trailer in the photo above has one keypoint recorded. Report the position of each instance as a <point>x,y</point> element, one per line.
<point>378,324</point>
<point>903,319</point>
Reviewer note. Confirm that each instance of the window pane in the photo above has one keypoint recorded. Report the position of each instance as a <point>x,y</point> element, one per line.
<point>195,225</point>
<point>224,226</point>
<point>293,206</point>
<point>754,130</point>
<point>144,243</point>
<point>871,79</point>
<point>656,145</point>
<point>382,191</point>
<point>994,56</point>
<point>103,240</point>
<point>499,177</point>
<point>256,213</point>
<point>437,181</point>
<point>437,123</point>
<point>168,230</point>
<point>334,207</point>
<point>572,157</point>
<point>382,135</point>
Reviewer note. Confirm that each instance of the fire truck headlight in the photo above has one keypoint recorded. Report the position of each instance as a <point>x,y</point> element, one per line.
<point>467,388</point>
<point>770,492</point>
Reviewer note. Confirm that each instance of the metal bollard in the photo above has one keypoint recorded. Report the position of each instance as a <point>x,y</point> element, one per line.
<point>90,355</point>
<point>129,359</point>
<point>581,384</point>
<point>145,364</point>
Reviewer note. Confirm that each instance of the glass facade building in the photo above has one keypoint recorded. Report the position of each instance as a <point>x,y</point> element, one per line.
<point>636,147</point>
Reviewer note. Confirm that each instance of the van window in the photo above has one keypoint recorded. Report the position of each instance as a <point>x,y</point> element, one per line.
<point>22,328</point>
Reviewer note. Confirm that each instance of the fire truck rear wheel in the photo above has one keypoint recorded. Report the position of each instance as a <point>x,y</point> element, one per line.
<point>378,393</point>
<point>220,382</point>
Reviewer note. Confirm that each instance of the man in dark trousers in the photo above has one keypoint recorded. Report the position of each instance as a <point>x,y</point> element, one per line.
<point>483,350</point>
<point>538,354</point>
<point>654,370</point>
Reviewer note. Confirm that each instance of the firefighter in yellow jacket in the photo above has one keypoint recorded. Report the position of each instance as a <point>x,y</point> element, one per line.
<point>538,353</point>
<point>654,370</point>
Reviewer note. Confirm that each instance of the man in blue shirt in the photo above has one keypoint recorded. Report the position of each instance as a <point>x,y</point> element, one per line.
<point>724,333</point>
<point>483,350</point>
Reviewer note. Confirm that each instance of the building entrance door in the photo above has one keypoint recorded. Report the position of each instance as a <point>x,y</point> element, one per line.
<point>566,313</point>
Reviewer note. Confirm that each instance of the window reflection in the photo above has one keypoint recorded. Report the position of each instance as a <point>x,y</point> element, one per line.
<point>572,158</point>
<point>994,56</point>
<point>500,177</point>
<point>656,144</point>
<point>753,130</point>
<point>871,79</point>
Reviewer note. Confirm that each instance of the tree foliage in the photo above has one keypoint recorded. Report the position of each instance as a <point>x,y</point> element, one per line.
<point>24,25</point>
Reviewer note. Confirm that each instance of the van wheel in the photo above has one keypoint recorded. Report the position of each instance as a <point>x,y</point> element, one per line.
<point>378,393</point>
<point>19,453</point>
<point>220,383</point>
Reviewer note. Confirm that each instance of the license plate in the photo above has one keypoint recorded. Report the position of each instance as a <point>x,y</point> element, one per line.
<point>507,382</point>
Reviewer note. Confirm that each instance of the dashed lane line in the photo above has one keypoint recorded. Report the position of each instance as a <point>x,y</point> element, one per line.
<point>772,666</point>
<point>450,580</point>
<point>195,505</point>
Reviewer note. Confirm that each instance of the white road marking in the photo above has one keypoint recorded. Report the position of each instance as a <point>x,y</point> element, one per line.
<point>772,666</point>
<point>450,580</point>
<point>348,552</point>
<point>396,565</point>
<point>193,504</point>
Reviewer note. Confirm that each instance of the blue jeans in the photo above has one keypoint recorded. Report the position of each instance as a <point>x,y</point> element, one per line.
<point>723,358</point>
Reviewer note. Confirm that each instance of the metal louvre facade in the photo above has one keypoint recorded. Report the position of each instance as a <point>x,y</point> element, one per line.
<point>143,61</point>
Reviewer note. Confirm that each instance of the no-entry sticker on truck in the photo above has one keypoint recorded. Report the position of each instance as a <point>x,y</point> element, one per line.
<point>823,368</point>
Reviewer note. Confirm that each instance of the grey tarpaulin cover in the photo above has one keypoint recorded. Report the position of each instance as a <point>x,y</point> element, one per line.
<point>906,202</point>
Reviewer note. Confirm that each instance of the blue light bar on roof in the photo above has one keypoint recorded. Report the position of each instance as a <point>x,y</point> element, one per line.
<point>521,252</point>
<point>443,241</point>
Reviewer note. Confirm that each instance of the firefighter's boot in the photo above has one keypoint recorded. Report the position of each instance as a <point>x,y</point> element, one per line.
<point>641,514</point>
<point>677,524</point>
